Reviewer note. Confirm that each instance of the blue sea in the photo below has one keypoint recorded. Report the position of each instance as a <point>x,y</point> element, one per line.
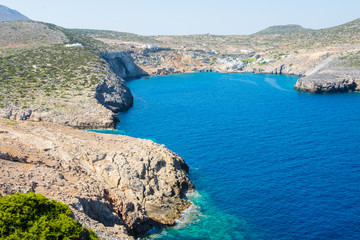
<point>268,162</point>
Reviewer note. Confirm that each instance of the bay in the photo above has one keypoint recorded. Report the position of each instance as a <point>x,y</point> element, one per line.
<point>268,162</point>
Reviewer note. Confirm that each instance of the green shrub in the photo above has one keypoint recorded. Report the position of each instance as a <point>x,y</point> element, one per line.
<point>33,216</point>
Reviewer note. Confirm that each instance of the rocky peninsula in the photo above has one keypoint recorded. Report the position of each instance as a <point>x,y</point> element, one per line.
<point>117,185</point>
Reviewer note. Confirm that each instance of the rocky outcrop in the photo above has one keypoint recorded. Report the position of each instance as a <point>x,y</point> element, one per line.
<point>114,96</point>
<point>277,68</point>
<point>330,75</point>
<point>123,65</point>
<point>326,83</point>
<point>117,185</point>
<point>89,115</point>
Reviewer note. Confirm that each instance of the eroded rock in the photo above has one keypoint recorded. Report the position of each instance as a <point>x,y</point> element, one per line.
<point>117,185</point>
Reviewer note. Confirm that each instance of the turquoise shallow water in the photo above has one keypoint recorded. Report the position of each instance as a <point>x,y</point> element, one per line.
<point>268,162</point>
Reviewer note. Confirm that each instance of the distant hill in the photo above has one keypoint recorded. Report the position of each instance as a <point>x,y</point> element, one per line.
<point>127,37</point>
<point>284,38</point>
<point>291,28</point>
<point>30,34</point>
<point>8,14</point>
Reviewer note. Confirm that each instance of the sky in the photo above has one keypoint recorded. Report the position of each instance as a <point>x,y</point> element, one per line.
<point>182,17</point>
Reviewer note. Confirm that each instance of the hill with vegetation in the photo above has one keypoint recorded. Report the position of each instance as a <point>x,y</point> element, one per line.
<point>281,29</point>
<point>44,76</point>
<point>8,14</point>
<point>286,37</point>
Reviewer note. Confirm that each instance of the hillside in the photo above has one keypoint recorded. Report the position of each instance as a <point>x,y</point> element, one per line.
<point>8,14</point>
<point>286,39</point>
<point>20,34</point>
<point>43,79</point>
<point>281,29</point>
<point>126,37</point>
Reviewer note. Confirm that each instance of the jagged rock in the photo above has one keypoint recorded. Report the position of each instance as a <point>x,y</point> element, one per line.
<point>117,185</point>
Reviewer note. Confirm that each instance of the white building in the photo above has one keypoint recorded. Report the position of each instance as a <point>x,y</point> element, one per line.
<point>74,45</point>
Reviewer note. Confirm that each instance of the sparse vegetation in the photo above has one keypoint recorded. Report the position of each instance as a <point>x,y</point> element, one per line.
<point>55,71</point>
<point>351,60</point>
<point>284,38</point>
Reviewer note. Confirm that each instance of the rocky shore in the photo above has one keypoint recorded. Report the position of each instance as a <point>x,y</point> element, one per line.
<point>327,83</point>
<point>119,186</point>
<point>320,72</point>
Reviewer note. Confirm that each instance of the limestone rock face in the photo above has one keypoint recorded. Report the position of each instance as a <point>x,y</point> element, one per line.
<point>324,83</point>
<point>322,72</point>
<point>330,75</point>
<point>117,185</point>
<point>123,65</point>
<point>278,68</point>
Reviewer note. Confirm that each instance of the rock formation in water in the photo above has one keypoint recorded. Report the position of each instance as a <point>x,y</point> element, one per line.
<point>332,74</point>
<point>319,73</point>
<point>117,185</point>
<point>115,95</point>
<point>326,83</point>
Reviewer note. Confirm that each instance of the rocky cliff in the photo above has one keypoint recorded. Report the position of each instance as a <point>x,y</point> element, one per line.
<point>336,73</point>
<point>117,185</point>
<point>320,71</point>
<point>123,65</point>
<point>327,83</point>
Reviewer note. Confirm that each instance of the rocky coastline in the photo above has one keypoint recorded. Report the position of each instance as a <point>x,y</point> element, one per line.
<point>321,70</point>
<point>325,74</point>
<point>117,185</point>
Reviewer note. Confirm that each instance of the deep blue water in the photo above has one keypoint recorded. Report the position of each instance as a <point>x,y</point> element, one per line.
<point>268,162</point>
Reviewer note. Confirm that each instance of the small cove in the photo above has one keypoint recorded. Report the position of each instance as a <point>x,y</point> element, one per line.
<point>268,162</point>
